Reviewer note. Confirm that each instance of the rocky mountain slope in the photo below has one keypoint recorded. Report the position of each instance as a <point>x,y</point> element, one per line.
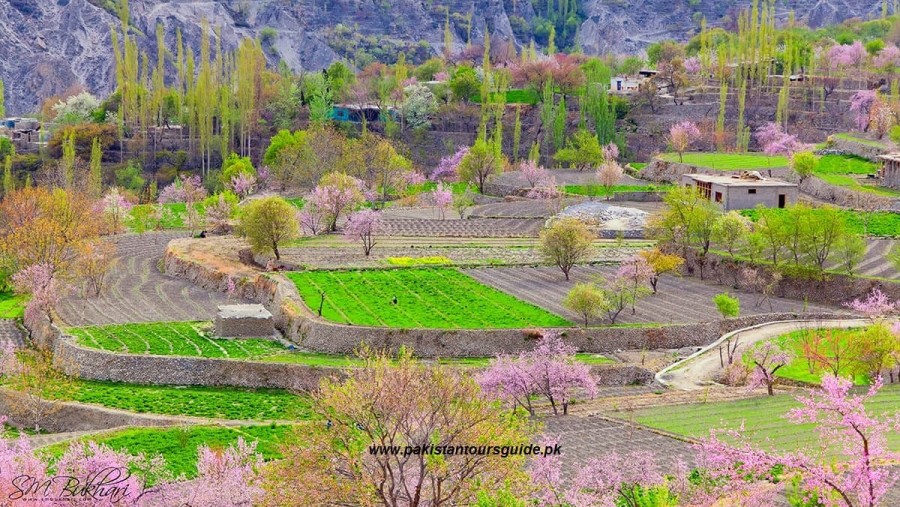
<point>50,46</point>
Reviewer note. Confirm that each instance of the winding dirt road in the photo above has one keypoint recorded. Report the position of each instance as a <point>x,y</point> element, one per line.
<point>698,370</point>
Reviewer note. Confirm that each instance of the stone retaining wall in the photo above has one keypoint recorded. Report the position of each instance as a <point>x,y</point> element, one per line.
<point>95,364</point>
<point>671,172</point>
<point>846,197</point>
<point>858,148</point>
<point>66,417</point>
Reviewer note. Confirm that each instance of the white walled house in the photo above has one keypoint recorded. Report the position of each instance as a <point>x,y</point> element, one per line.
<point>743,191</point>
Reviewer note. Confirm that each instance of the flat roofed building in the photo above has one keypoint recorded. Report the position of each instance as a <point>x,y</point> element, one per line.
<point>743,191</point>
<point>890,170</point>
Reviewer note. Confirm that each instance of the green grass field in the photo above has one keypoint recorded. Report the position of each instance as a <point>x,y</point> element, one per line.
<point>799,369</point>
<point>12,306</point>
<point>638,165</point>
<point>440,298</point>
<point>172,217</point>
<point>763,417</point>
<point>518,96</point>
<point>193,339</point>
<point>601,191</point>
<point>178,446</point>
<point>881,223</point>
<point>457,188</point>
<point>847,136</point>
<point>729,161</point>
<point>845,164</point>
<point>212,402</point>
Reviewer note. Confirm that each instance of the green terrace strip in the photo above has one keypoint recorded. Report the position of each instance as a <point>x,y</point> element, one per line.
<point>798,369</point>
<point>847,136</point>
<point>193,401</point>
<point>172,217</point>
<point>178,446</point>
<point>433,260</point>
<point>846,171</point>
<point>434,298</point>
<point>729,161</point>
<point>881,223</point>
<point>457,188</point>
<point>518,96</point>
<point>638,165</point>
<point>600,190</point>
<point>192,339</point>
<point>12,306</point>
<point>764,419</point>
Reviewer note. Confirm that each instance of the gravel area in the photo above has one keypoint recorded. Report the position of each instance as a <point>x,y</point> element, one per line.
<point>9,332</point>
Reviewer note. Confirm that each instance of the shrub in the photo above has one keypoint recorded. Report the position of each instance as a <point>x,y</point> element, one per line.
<point>268,223</point>
<point>727,305</point>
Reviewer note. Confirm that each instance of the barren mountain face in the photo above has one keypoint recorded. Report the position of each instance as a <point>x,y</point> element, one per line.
<point>50,46</point>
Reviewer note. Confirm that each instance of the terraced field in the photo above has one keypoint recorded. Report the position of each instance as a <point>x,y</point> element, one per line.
<point>680,300</point>
<point>471,228</point>
<point>728,161</point>
<point>192,339</point>
<point>136,290</point>
<point>425,298</point>
<point>764,418</point>
<point>876,263</point>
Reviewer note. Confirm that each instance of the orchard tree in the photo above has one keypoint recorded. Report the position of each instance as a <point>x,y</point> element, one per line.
<point>681,135</point>
<point>582,151</point>
<point>116,208</point>
<point>767,359</point>
<point>804,164</point>
<point>587,300</point>
<point>566,242</point>
<point>730,230</point>
<point>727,305</point>
<point>361,226</point>
<point>335,194</point>
<point>268,223</point>
<point>637,273</point>
<point>687,222</point>
<point>448,169</point>
<point>660,263</point>
<point>479,163</point>
<point>96,258</point>
<point>876,305</point>
<point>533,174</point>
<point>609,174</point>
<point>441,198</point>
<point>549,370</point>
<point>401,402</point>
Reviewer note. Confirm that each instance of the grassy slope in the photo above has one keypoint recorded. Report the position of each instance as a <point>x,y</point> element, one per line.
<point>881,223</point>
<point>427,298</point>
<point>729,161</point>
<point>212,402</point>
<point>763,417</point>
<point>599,190</point>
<point>178,446</point>
<point>338,361</point>
<point>11,305</point>
<point>848,136</point>
<point>798,368</point>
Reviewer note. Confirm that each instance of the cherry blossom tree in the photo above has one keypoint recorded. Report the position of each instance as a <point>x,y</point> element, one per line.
<point>533,173</point>
<point>361,226</point>
<point>767,359</point>
<point>843,424</point>
<point>611,152</point>
<point>448,168</point>
<point>844,56</point>
<point>888,58</point>
<point>549,370</point>
<point>875,306</point>
<point>861,103</point>
<point>38,281</point>
<point>609,174</point>
<point>335,193</point>
<point>242,184</point>
<point>775,141</point>
<point>441,198</point>
<point>634,275</point>
<point>692,65</point>
<point>311,219</point>
<point>681,135</point>
<point>116,207</point>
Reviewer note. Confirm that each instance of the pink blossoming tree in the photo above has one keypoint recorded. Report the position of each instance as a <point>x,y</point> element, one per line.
<point>767,359</point>
<point>681,135</point>
<point>875,306</point>
<point>533,174</point>
<point>549,371</point>
<point>38,281</point>
<point>861,104</point>
<point>116,207</point>
<point>243,184</point>
<point>441,198</point>
<point>449,166</point>
<point>361,226</point>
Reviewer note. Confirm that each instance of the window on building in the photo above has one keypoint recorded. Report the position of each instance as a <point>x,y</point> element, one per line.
<point>751,190</point>
<point>705,188</point>
<point>718,196</point>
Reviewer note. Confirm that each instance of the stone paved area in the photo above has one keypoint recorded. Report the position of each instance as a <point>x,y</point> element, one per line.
<point>137,291</point>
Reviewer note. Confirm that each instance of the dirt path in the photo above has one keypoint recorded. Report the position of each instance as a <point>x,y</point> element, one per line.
<point>698,370</point>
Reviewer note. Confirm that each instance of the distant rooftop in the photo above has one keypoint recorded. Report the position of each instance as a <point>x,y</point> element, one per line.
<point>893,157</point>
<point>746,179</point>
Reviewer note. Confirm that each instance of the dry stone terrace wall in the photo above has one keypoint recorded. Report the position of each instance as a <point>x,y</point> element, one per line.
<point>663,171</point>
<point>171,370</point>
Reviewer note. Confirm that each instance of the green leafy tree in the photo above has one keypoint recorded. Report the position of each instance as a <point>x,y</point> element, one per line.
<point>587,300</point>
<point>727,305</point>
<point>268,223</point>
<point>687,222</point>
<point>566,242</point>
<point>234,165</point>
<point>582,152</point>
<point>804,164</point>
<point>95,176</point>
<point>464,84</point>
<point>481,162</point>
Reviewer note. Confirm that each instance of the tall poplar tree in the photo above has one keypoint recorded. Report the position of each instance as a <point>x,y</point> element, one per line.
<point>95,176</point>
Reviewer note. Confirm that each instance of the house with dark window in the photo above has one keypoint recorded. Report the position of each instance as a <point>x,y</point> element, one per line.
<point>743,191</point>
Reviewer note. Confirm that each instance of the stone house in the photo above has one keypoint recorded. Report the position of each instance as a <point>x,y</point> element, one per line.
<point>744,191</point>
<point>890,170</point>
